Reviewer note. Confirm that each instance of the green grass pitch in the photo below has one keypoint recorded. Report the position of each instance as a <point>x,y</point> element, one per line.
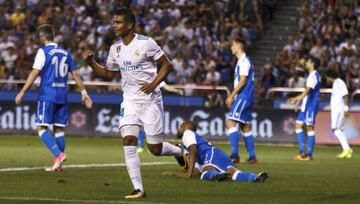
<point>323,180</point>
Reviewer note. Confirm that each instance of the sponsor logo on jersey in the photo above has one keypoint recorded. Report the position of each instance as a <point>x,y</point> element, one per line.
<point>137,53</point>
<point>118,49</point>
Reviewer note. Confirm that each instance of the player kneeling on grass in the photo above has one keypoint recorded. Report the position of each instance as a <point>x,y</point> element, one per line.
<point>211,162</point>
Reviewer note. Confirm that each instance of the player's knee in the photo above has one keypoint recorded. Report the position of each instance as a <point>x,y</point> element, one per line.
<point>229,124</point>
<point>309,128</point>
<point>41,128</point>
<point>298,125</point>
<point>245,128</point>
<point>155,149</point>
<point>129,141</point>
<point>58,129</point>
<point>231,171</point>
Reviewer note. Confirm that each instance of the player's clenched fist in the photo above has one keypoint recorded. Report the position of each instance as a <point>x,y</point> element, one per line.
<point>87,54</point>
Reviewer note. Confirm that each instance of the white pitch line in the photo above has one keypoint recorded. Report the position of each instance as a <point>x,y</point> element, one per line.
<point>83,166</point>
<point>69,200</point>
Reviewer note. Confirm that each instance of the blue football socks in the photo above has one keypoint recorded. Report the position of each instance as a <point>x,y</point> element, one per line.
<point>207,175</point>
<point>301,140</point>
<point>49,142</point>
<point>311,143</point>
<point>234,140</point>
<point>250,144</point>
<point>60,140</point>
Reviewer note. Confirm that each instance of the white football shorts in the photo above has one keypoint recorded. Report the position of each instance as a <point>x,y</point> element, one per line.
<point>150,116</point>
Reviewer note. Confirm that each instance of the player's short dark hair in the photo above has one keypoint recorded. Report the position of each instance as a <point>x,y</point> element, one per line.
<point>332,73</point>
<point>47,31</point>
<point>242,43</point>
<point>186,126</point>
<point>315,61</point>
<point>128,14</point>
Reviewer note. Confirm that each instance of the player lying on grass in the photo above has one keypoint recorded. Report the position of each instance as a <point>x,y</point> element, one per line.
<point>211,162</point>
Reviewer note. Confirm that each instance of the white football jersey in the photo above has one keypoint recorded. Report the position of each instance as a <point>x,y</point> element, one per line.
<point>339,90</point>
<point>136,62</point>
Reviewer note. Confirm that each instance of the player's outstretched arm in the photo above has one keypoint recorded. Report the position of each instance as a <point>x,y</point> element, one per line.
<point>84,96</point>
<point>297,99</point>
<point>29,81</point>
<point>165,68</point>
<point>191,165</point>
<point>239,86</point>
<point>100,70</point>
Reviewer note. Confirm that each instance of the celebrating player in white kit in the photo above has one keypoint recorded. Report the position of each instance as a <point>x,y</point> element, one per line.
<point>136,57</point>
<point>339,109</point>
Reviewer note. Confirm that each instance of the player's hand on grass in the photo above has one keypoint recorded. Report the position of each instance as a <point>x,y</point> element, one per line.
<point>147,87</point>
<point>87,54</point>
<point>87,101</point>
<point>169,173</point>
<point>178,174</point>
<point>229,101</point>
<point>18,98</point>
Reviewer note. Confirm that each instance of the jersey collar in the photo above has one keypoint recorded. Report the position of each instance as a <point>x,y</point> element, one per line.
<point>243,56</point>
<point>50,43</point>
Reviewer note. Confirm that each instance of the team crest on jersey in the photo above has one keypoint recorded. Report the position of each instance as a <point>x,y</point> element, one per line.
<point>137,53</point>
<point>118,49</point>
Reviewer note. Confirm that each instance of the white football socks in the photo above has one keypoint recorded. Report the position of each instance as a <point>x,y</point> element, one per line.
<point>170,150</point>
<point>342,138</point>
<point>132,161</point>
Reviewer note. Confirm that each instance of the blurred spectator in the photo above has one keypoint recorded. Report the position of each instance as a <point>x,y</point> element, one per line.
<point>296,81</point>
<point>212,77</point>
<point>18,17</point>
<point>196,32</point>
<point>10,57</point>
<point>329,31</point>
<point>85,72</point>
<point>268,80</point>
<point>318,49</point>
<point>214,99</point>
<point>184,72</point>
<point>189,87</point>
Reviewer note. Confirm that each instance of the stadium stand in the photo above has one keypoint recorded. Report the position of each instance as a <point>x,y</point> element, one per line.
<point>194,34</point>
<point>328,30</point>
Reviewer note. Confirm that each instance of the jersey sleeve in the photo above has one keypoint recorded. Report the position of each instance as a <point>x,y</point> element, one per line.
<point>311,81</point>
<point>162,84</point>
<point>70,62</point>
<point>344,90</point>
<point>189,138</point>
<point>39,61</point>
<point>111,62</point>
<point>153,50</point>
<point>244,67</point>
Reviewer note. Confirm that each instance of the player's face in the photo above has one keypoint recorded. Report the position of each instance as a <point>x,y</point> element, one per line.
<point>309,64</point>
<point>120,26</point>
<point>234,48</point>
